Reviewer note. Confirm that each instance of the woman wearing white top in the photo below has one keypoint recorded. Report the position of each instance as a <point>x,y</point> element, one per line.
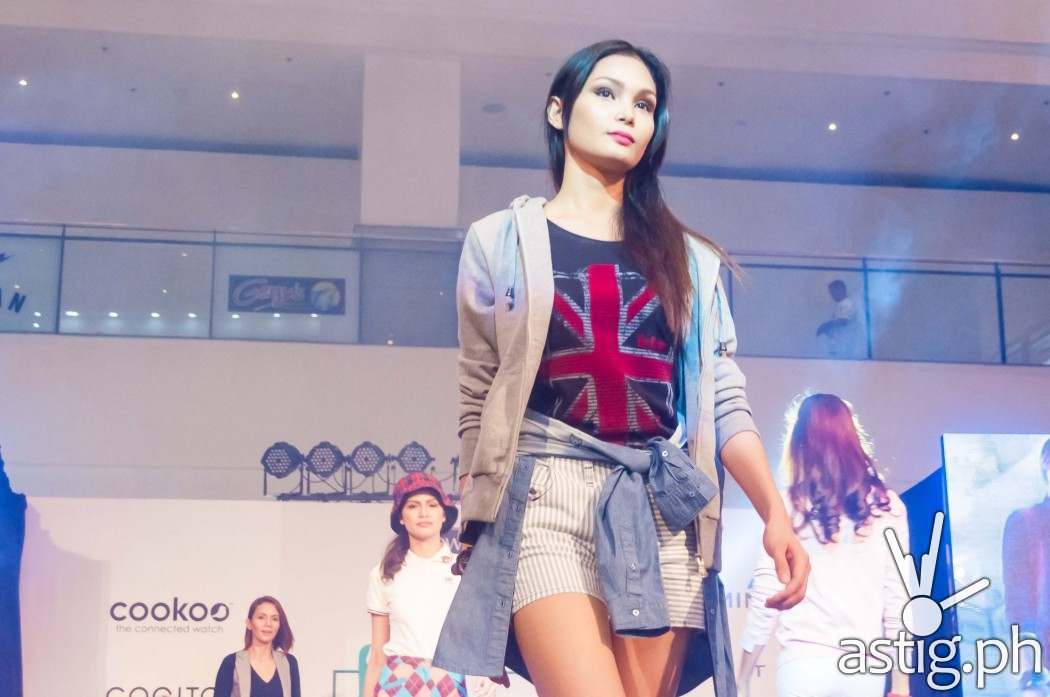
<point>840,508</point>
<point>409,594</point>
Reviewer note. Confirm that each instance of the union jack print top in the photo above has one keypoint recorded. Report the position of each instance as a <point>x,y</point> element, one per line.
<point>608,366</point>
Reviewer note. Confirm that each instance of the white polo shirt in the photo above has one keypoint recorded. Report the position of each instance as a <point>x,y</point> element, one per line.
<point>416,600</point>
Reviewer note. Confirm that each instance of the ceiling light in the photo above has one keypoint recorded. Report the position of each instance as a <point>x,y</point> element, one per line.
<point>23,83</point>
<point>314,315</point>
<point>164,290</point>
<point>72,313</point>
<point>1015,136</point>
<point>36,325</point>
<point>37,314</point>
<point>18,287</point>
<point>192,315</point>
<point>235,316</point>
<point>113,315</point>
<point>277,315</point>
<point>833,126</point>
<point>155,315</point>
<point>235,95</point>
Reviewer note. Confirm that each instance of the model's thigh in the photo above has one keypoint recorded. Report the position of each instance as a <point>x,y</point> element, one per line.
<point>651,667</point>
<point>566,643</point>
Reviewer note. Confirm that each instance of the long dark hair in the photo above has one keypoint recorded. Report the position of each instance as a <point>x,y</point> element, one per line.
<point>284,638</point>
<point>831,471</point>
<point>653,237</point>
<point>394,556</point>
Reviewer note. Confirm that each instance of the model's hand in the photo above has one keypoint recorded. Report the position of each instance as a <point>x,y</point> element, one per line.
<point>791,562</point>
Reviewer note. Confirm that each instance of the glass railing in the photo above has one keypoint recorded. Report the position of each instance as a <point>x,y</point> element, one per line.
<point>396,286</point>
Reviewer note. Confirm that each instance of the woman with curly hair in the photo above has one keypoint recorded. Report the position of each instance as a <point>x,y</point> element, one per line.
<point>840,508</point>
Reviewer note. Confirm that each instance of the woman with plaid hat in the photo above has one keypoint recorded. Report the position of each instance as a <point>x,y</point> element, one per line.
<point>409,593</point>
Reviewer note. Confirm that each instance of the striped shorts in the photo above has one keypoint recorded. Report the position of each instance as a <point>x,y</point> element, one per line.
<point>558,553</point>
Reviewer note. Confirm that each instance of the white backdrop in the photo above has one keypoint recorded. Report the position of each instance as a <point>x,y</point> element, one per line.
<point>89,560</point>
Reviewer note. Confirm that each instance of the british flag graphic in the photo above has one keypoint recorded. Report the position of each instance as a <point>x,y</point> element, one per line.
<point>609,359</point>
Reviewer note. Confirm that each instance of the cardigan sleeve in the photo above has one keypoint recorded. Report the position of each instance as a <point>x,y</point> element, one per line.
<point>224,678</point>
<point>732,409</point>
<point>478,358</point>
<point>293,665</point>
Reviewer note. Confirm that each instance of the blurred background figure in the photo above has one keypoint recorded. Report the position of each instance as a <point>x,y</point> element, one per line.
<point>840,507</point>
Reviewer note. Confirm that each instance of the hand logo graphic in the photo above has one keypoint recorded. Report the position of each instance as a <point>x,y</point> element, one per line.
<point>922,614</point>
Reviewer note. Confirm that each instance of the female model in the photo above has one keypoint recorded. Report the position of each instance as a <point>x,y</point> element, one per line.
<point>409,593</point>
<point>264,668</point>
<point>596,343</point>
<point>841,508</point>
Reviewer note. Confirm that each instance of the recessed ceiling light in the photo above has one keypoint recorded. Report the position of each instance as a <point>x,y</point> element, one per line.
<point>18,287</point>
<point>1015,136</point>
<point>155,315</point>
<point>113,315</point>
<point>314,315</point>
<point>235,316</point>
<point>36,325</point>
<point>235,95</point>
<point>191,315</point>
<point>164,290</point>
<point>833,126</point>
<point>389,342</point>
<point>23,83</point>
<point>185,254</point>
<point>277,315</point>
<point>37,314</point>
<point>72,313</point>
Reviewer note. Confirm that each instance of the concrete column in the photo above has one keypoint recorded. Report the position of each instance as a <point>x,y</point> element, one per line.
<point>410,141</point>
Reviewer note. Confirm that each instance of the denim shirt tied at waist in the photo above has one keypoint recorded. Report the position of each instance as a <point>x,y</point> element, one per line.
<point>476,638</point>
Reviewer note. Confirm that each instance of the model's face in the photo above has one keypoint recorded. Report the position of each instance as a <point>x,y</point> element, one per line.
<point>264,623</point>
<point>422,515</point>
<point>613,117</point>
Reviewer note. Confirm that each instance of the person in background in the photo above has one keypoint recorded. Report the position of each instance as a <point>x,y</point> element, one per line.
<point>840,507</point>
<point>841,330</point>
<point>409,593</point>
<point>1026,577</point>
<point>264,667</point>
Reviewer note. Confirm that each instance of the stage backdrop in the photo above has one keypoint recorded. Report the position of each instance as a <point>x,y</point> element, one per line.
<point>143,598</point>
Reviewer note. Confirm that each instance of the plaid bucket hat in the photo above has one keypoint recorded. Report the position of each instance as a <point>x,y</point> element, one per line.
<point>414,483</point>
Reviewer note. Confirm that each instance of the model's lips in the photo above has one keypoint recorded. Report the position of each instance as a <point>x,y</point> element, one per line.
<point>622,138</point>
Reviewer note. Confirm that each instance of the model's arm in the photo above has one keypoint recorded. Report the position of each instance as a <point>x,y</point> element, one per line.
<point>741,451</point>
<point>297,690</point>
<point>478,358</point>
<point>376,657</point>
<point>760,619</point>
<point>224,678</point>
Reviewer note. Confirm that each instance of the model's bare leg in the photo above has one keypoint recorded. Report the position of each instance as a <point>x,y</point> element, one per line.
<point>651,667</point>
<point>566,643</point>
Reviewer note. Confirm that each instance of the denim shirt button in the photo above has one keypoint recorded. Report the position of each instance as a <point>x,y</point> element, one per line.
<point>664,453</point>
<point>636,612</point>
<point>634,567</point>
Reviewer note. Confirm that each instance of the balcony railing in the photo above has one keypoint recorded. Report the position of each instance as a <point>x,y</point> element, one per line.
<point>396,286</point>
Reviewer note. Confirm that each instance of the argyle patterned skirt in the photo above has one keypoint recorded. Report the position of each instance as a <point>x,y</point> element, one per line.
<point>403,676</point>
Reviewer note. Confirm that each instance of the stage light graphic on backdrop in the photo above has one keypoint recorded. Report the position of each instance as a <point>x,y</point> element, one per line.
<point>367,473</point>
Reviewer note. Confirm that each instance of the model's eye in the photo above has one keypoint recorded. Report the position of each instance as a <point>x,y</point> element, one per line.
<point>603,92</point>
<point>646,105</point>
